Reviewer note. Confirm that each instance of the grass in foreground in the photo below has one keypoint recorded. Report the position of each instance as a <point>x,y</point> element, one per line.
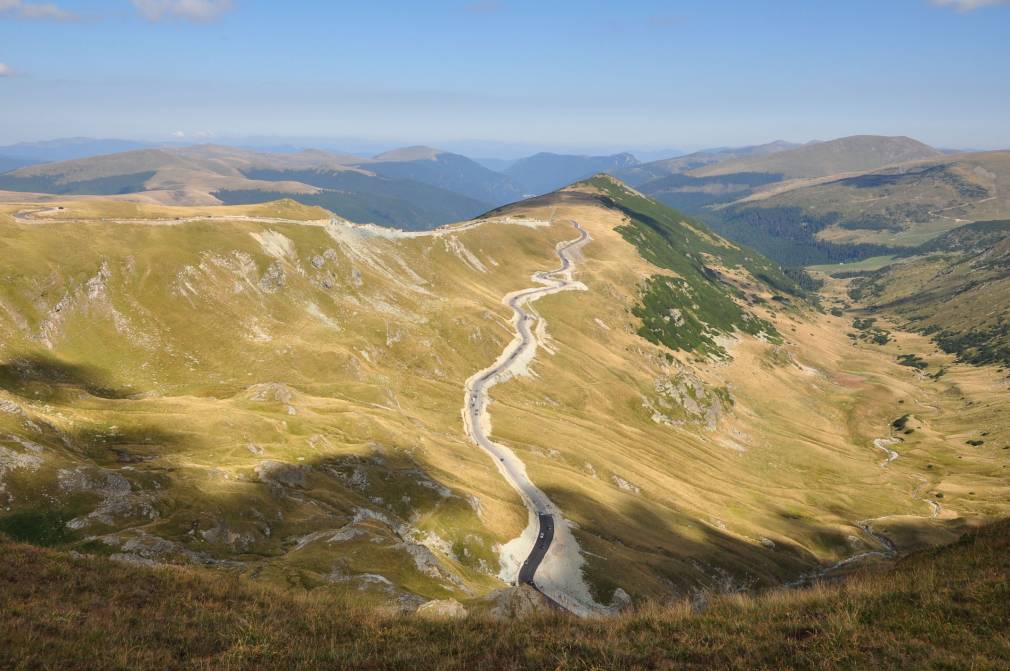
<point>943,609</point>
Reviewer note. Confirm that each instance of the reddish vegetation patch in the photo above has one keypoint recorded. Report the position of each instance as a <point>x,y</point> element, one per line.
<point>848,380</point>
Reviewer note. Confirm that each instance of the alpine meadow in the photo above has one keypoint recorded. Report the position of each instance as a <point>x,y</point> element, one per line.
<point>497,335</point>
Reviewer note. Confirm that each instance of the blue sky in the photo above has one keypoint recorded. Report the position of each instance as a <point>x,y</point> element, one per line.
<point>565,75</point>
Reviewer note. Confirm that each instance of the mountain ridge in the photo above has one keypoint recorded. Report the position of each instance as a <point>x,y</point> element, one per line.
<point>412,194</point>
<point>545,172</point>
<point>853,153</point>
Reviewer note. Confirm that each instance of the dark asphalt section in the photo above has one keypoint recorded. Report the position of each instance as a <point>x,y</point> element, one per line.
<point>544,538</point>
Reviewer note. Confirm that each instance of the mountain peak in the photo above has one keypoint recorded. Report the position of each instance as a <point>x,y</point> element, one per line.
<point>846,154</point>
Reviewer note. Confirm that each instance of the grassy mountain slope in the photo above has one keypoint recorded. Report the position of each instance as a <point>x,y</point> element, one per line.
<point>447,171</point>
<point>853,374</point>
<point>958,291</point>
<point>192,169</point>
<point>768,169</point>
<point>419,193</point>
<point>546,172</point>
<point>877,212</point>
<point>857,153</point>
<point>702,302</point>
<point>402,203</point>
<point>940,609</point>
<point>261,391</point>
<point>639,175</point>
<point>699,194</point>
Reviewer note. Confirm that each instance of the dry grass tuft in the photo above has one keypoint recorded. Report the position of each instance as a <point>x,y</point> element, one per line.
<point>947,608</point>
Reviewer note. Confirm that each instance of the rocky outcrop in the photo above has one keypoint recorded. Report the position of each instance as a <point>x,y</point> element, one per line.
<point>683,398</point>
<point>517,602</point>
<point>280,473</point>
<point>442,609</point>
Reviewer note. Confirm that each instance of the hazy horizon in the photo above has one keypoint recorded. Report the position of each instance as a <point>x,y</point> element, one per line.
<point>586,77</point>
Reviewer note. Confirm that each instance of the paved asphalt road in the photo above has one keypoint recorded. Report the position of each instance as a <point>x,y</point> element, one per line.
<point>476,398</point>
<point>544,538</point>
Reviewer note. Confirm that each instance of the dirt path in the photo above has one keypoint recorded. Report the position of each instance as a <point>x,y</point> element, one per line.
<point>888,549</point>
<point>39,216</point>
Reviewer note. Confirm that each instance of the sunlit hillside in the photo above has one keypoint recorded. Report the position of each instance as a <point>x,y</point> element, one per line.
<point>276,393</point>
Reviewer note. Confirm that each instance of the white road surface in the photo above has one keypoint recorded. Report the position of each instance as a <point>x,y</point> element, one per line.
<point>559,576</point>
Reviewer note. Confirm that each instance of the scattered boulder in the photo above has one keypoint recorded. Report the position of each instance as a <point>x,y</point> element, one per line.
<point>271,391</point>
<point>442,609</point>
<point>280,473</point>
<point>517,602</point>
<point>620,601</point>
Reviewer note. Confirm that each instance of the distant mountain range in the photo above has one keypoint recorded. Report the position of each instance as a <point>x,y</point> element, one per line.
<point>781,198</point>
<point>65,149</point>
<point>848,154</point>
<point>545,172</point>
<point>646,172</point>
<point>816,203</point>
<point>410,188</point>
<point>8,163</point>
<point>698,181</point>
<point>850,216</point>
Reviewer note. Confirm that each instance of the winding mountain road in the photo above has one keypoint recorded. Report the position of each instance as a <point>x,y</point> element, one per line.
<point>512,361</point>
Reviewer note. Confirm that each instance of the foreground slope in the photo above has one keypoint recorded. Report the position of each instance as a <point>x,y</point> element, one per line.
<point>938,609</point>
<point>276,392</point>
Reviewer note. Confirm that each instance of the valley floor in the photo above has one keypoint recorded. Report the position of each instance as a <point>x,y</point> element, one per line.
<point>940,609</point>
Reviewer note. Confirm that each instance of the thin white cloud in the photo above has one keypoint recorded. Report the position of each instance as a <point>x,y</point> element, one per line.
<point>483,7</point>
<point>968,5</point>
<point>35,10</point>
<point>5,70</point>
<point>191,10</point>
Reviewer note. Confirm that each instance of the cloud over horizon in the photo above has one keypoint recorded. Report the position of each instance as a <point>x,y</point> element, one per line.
<point>34,10</point>
<point>968,5</point>
<point>5,70</point>
<point>192,10</point>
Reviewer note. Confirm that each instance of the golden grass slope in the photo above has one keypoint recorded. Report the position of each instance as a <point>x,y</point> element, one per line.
<point>940,609</point>
<point>784,474</point>
<point>282,400</point>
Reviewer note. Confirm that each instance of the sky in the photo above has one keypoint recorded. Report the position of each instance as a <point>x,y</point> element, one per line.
<point>501,76</point>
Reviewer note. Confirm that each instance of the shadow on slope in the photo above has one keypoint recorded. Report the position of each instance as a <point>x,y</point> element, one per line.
<point>946,608</point>
<point>46,378</point>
